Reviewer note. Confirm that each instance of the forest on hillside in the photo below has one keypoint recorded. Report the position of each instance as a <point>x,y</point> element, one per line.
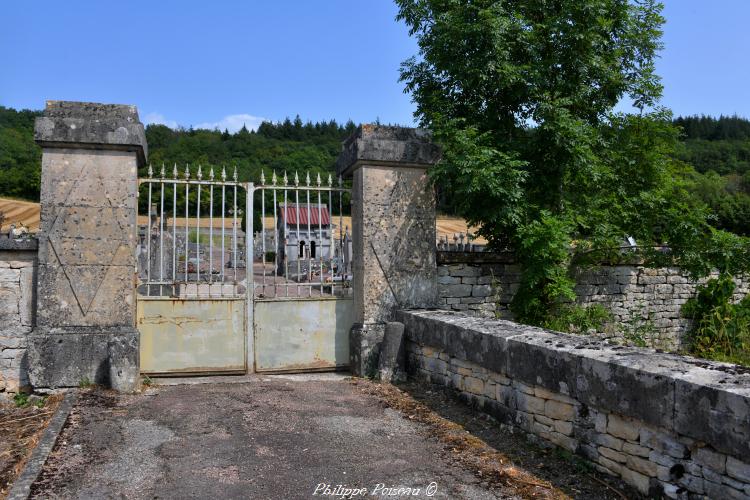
<point>716,152</point>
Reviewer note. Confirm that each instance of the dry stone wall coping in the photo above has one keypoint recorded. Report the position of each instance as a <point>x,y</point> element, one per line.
<point>706,401</point>
<point>20,244</point>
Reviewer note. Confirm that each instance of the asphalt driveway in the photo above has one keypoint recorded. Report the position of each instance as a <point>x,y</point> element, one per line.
<point>268,437</point>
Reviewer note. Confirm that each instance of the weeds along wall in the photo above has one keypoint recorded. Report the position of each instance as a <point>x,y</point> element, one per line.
<point>666,424</point>
<point>645,303</point>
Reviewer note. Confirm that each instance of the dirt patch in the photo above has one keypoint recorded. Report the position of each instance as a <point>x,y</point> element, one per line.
<point>20,429</point>
<point>96,400</point>
<point>498,455</point>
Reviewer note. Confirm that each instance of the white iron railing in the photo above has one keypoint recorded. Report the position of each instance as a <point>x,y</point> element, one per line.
<point>175,260</point>
<point>306,260</point>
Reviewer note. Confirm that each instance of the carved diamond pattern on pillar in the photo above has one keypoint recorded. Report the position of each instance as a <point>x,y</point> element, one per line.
<point>85,259</point>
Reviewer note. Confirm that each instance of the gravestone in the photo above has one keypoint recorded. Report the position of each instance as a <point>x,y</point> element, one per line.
<point>85,328</point>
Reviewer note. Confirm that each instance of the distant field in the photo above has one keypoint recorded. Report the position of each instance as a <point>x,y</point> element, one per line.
<point>28,212</point>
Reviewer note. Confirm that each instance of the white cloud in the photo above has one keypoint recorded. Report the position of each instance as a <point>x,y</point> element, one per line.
<point>159,119</point>
<point>234,122</point>
<point>230,122</point>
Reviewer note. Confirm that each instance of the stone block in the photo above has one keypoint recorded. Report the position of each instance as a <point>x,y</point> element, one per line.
<point>558,410</point>
<point>623,428</point>
<point>436,365</point>
<point>489,389</point>
<point>364,348</point>
<point>474,385</point>
<point>529,404</point>
<point>693,484</point>
<point>499,378</point>
<point>544,420</point>
<point>524,420</point>
<point>67,357</point>
<point>541,430</point>
<point>709,458</point>
<point>738,469</point>
<point>392,359</point>
<point>711,410</point>
<point>481,290</point>
<point>639,481</point>
<point>710,475</point>
<point>635,450</point>
<point>484,280</point>
<point>457,382</point>
<point>640,465</point>
<point>448,280</point>
<point>612,466</point>
<point>722,491</point>
<point>565,428</point>
<point>661,459</point>
<point>8,275</point>
<point>454,290</point>
<point>563,441</point>
<point>663,443</point>
<point>609,441</point>
<point>87,125</point>
<point>506,395</point>
<point>612,454</point>
<point>464,271</point>
<point>600,422</point>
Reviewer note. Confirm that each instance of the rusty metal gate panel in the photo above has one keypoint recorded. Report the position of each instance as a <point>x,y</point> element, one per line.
<point>191,336</point>
<point>301,266</point>
<point>302,334</point>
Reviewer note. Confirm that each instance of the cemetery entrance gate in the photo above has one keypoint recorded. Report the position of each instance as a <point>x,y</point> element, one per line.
<point>235,277</point>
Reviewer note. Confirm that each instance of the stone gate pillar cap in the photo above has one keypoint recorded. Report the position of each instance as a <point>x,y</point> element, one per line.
<point>389,146</point>
<point>90,125</point>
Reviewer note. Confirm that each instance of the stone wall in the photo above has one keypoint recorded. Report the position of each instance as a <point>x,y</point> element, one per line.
<point>664,424</point>
<point>645,303</point>
<point>18,266</point>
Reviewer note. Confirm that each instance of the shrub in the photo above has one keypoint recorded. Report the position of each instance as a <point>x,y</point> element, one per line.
<point>721,329</point>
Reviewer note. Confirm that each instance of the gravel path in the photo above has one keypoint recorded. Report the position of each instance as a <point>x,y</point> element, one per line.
<point>266,437</point>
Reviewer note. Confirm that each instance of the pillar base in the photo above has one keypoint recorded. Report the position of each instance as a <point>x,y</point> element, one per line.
<point>72,356</point>
<point>364,348</point>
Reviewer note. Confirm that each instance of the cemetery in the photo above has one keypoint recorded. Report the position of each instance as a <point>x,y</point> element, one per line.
<point>534,289</point>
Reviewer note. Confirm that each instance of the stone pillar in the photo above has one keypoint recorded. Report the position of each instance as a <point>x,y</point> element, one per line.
<point>393,231</point>
<point>86,295</point>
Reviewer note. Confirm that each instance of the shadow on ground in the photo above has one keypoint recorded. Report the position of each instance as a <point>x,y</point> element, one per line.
<point>567,473</point>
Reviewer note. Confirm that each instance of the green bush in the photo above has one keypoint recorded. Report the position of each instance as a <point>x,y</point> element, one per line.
<point>721,329</point>
<point>578,319</point>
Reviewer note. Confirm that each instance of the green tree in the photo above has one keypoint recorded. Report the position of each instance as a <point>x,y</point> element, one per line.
<point>521,96</point>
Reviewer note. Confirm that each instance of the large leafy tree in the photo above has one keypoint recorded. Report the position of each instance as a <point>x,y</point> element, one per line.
<point>521,95</point>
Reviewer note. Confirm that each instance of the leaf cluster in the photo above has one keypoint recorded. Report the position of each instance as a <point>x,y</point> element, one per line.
<point>521,96</point>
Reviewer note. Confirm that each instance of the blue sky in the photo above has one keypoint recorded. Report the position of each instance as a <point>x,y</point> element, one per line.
<point>223,63</point>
